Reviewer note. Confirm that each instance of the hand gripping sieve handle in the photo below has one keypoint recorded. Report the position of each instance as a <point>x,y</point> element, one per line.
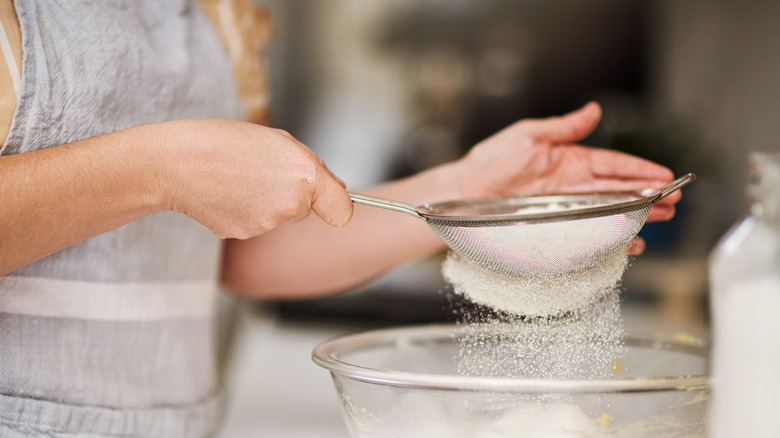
<point>386,204</point>
<point>675,185</point>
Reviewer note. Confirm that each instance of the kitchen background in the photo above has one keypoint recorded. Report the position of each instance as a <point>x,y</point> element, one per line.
<point>383,88</point>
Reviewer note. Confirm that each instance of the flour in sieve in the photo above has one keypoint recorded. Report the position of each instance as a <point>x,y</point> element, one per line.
<point>549,246</point>
<point>552,252</point>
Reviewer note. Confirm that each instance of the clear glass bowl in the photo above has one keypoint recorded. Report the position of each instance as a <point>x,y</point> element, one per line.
<point>404,382</point>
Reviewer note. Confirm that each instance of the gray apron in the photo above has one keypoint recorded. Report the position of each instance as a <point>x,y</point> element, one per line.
<point>114,336</point>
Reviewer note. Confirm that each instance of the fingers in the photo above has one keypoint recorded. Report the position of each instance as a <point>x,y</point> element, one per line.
<point>605,163</point>
<point>636,246</point>
<point>661,212</point>
<point>329,199</point>
<point>568,128</point>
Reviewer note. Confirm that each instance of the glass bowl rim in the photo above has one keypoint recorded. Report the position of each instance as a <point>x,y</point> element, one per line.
<point>327,355</point>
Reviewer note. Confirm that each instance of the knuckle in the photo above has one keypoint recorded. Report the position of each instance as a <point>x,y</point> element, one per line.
<point>247,227</point>
<point>298,211</point>
<point>266,224</point>
<point>240,233</point>
<point>221,234</point>
<point>284,133</point>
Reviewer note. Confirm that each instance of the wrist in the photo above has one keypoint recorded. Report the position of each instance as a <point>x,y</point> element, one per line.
<point>455,181</point>
<point>152,155</point>
<point>445,182</point>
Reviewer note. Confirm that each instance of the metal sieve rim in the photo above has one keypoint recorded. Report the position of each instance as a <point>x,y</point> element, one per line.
<point>635,201</point>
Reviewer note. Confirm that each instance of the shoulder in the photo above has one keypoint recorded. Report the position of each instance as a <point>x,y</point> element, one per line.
<point>245,29</point>
<point>10,64</point>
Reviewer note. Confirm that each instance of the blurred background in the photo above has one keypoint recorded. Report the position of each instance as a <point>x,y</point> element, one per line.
<point>384,88</point>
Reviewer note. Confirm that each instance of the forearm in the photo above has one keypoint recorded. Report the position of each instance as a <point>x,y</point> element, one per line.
<point>238,179</point>
<point>309,258</point>
<point>528,157</point>
<point>55,197</point>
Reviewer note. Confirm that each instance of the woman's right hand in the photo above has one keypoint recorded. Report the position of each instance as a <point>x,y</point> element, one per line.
<point>238,179</point>
<point>241,179</point>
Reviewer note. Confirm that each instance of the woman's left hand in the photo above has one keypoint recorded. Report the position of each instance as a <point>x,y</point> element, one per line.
<point>540,156</point>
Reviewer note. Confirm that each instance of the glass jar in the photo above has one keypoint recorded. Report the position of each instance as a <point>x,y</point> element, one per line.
<point>745,309</point>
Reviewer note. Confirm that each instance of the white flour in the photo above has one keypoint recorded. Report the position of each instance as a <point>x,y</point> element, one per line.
<point>555,245</point>
<point>553,325</point>
<point>539,295</point>
<point>582,344</point>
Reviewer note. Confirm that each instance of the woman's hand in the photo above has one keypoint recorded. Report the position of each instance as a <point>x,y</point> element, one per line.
<point>540,156</point>
<point>241,180</point>
<point>530,157</point>
<point>238,179</point>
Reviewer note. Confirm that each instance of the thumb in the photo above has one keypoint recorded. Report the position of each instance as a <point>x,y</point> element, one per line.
<point>568,128</point>
<point>330,200</point>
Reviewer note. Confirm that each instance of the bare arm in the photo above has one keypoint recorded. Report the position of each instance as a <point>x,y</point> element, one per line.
<point>309,258</point>
<point>56,197</point>
<point>236,178</point>
<point>530,157</point>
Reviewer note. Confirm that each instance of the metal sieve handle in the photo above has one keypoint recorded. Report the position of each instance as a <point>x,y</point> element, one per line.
<point>386,204</point>
<point>675,185</point>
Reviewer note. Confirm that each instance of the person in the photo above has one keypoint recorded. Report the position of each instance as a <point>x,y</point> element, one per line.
<point>135,179</point>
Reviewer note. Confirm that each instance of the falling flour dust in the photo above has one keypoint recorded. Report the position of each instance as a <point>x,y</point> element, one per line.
<point>563,325</point>
<point>583,344</point>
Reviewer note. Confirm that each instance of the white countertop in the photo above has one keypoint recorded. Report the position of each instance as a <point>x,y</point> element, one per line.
<point>274,388</point>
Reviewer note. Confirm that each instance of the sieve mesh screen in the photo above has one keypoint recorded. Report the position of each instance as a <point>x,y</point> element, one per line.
<point>542,247</point>
<point>537,235</point>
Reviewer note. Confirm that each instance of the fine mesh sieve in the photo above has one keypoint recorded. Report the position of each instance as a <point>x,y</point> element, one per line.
<point>538,235</point>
